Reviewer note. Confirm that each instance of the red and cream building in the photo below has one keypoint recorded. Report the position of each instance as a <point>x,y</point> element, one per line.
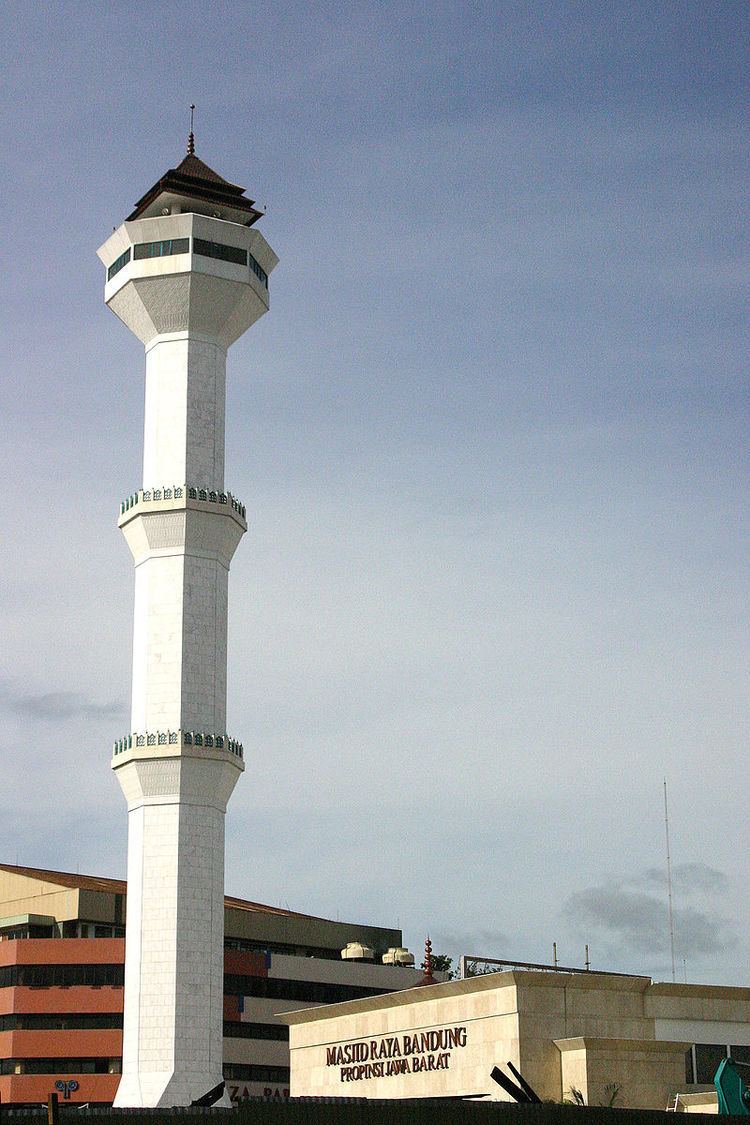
<point>60,1016</point>
<point>62,954</point>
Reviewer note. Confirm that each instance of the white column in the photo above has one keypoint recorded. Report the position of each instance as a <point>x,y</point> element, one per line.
<point>157,644</point>
<point>173,1014</point>
<point>180,632</point>
<point>184,415</point>
<point>182,545</point>
<point>177,767</point>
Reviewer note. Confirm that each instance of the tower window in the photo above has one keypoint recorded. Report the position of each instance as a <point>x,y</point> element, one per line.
<point>161,249</point>
<point>118,264</point>
<point>259,272</point>
<point>220,251</point>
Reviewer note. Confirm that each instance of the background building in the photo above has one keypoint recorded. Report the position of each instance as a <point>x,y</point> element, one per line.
<point>62,953</point>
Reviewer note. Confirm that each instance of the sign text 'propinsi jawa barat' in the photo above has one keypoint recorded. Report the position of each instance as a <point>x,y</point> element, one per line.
<point>396,1054</point>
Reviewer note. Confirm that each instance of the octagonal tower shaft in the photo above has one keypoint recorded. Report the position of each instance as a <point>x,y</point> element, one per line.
<point>187,284</point>
<point>183,436</point>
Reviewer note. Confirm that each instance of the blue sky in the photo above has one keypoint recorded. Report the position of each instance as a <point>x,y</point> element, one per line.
<point>491,439</point>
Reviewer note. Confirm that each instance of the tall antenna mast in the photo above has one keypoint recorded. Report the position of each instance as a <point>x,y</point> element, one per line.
<point>669,880</point>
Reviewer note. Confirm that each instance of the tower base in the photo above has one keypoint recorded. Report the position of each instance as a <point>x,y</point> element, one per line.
<point>174,942</point>
<point>161,1090</point>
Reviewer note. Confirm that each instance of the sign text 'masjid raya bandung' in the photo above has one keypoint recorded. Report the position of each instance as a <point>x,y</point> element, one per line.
<point>408,1053</point>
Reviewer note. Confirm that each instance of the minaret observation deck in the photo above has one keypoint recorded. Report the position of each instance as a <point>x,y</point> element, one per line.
<point>187,273</point>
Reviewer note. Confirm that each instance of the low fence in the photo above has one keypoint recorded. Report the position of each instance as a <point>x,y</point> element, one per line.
<point>423,1111</point>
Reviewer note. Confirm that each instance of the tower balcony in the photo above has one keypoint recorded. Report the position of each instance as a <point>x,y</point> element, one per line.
<point>172,496</point>
<point>175,743</point>
<point>183,517</point>
<point>187,272</point>
<point>165,766</point>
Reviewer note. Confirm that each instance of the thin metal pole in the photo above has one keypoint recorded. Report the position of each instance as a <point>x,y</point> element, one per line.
<point>669,881</point>
<point>53,1110</point>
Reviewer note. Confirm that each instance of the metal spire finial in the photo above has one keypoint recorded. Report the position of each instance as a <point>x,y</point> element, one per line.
<point>428,978</point>
<point>191,137</point>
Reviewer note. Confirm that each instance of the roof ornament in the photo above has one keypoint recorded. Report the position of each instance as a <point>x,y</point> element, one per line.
<point>191,137</point>
<point>428,978</point>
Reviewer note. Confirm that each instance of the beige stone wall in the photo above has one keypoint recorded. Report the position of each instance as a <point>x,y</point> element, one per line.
<point>488,1016</point>
<point>646,1072</point>
<point>700,1013</point>
<point>560,1030</point>
<point>558,1006</point>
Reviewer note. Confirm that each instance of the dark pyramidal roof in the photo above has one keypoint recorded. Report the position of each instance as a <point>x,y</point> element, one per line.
<point>194,167</point>
<point>195,180</point>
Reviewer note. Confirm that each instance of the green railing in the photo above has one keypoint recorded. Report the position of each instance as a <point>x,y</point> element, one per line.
<point>180,492</point>
<point>143,739</point>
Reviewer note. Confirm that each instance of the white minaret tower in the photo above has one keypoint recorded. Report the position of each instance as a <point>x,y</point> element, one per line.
<point>188,274</point>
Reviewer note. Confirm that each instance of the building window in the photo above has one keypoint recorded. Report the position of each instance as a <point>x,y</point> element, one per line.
<point>73,1021</point>
<point>247,1072</point>
<point>702,1060</point>
<point>275,988</point>
<point>118,264</point>
<point>96,930</point>
<point>236,1030</point>
<point>60,1066</point>
<point>61,976</point>
<point>161,249</point>
<point>220,251</point>
<point>707,1057</point>
<point>249,945</point>
<point>36,931</point>
<point>259,272</point>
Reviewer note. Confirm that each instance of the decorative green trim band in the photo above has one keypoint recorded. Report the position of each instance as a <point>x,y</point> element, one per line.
<point>178,738</point>
<point>179,492</point>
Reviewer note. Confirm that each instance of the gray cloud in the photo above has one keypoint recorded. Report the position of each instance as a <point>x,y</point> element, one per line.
<point>631,918</point>
<point>627,916</point>
<point>56,706</point>
<point>690,878</point>
<point>478,942</point>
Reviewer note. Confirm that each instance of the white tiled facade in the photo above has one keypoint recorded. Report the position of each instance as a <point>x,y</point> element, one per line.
<point>177,767</point>
<point>184,416</point>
